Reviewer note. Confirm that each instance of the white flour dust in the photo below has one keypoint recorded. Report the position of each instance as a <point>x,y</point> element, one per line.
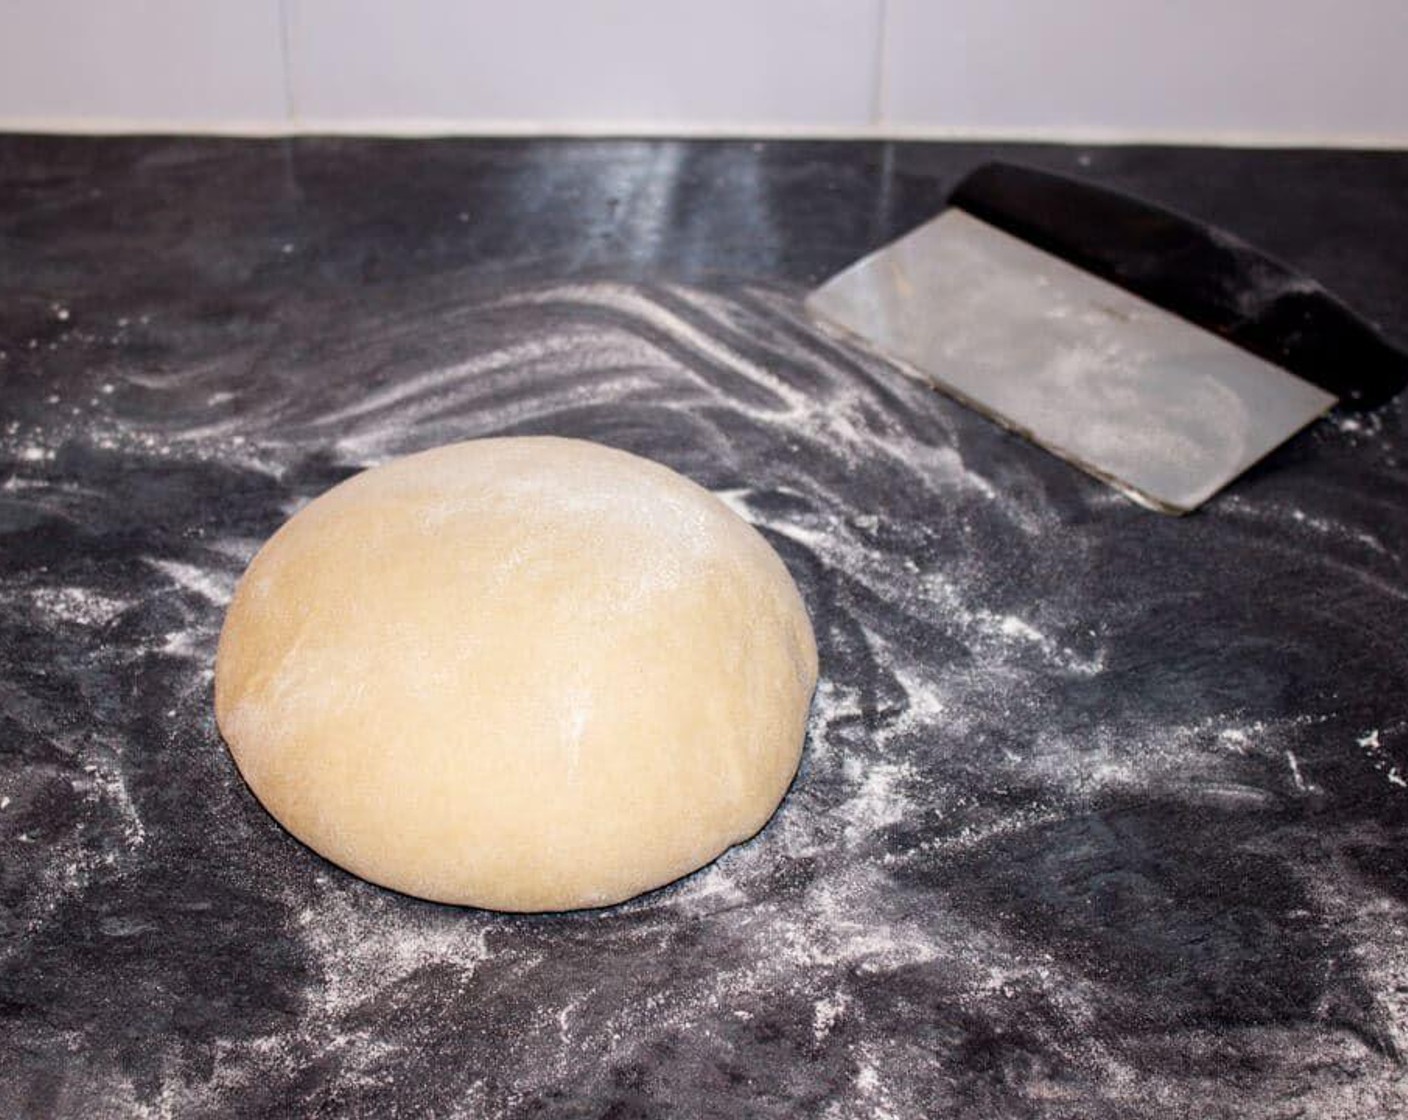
<point>955,715</point>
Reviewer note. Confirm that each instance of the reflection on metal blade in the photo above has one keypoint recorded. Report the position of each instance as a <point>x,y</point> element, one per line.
<point>1140,398</point>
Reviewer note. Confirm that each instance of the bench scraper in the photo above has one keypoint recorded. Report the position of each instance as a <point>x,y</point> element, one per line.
<point>1158,354</point>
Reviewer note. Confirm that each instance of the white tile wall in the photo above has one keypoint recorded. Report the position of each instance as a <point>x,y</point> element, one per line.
<point>1277,70</point>
<point>110,63</point>
<point>782,63</point>
<point>1158,67</point>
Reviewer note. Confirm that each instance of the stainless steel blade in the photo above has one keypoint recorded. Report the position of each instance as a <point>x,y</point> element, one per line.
<point>1138,397</point>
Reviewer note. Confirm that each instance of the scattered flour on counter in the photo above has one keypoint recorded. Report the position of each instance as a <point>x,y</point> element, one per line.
<point>1372,745</point>
<point>109,784</point>
<point>185,644</point>
<point>579,368</point>
<point>814,539</point>
<point>1300,782</point>
<point>423,386</point>
<point>1237,739</point>
<point>362,948</point>
<point>240,550</point>
<point>79,605</point>
<point>212,585</point>
<point>1203,760</point>
<point>801,929</point>
<point>880,1103</point>
<point>989,628</point>
<point>926,701</point>
<point>363,942</point>
<point>736,500</point>
<point>826,1013</point>
<point>1339,530</point>
<point>1287,517</point>
<point>879,799</point>
<point>1369,424</point>
<point>71,863</point>
<point>1351,904</point>
<point>630,301</point>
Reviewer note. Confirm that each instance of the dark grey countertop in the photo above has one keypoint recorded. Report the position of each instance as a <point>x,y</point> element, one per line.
<point>1102,814</point>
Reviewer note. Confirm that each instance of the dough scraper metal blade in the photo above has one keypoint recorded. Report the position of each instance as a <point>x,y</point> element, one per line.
<point>1133,391</point>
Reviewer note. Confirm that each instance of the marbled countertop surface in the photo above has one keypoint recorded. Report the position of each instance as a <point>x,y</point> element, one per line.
<point>1102,814</point>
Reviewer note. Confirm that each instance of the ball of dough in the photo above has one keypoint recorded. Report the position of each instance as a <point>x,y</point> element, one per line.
<point>522,674</point>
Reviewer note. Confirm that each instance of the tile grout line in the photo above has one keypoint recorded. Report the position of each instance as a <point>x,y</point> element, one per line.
<point>285,18</point>
<point>880,93</point>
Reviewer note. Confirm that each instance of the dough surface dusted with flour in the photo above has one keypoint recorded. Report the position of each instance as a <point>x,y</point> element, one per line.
<point>524,674</point>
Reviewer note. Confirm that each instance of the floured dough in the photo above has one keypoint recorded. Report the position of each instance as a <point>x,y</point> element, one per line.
<point>524,674</point>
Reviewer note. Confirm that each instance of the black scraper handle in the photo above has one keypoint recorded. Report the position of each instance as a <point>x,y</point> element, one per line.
<point>1196,272</point>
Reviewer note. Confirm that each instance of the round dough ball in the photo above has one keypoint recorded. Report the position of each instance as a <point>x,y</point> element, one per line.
<point>523,674</point>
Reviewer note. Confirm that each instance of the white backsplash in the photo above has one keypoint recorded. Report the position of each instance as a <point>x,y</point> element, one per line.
<point>1293,71</point>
